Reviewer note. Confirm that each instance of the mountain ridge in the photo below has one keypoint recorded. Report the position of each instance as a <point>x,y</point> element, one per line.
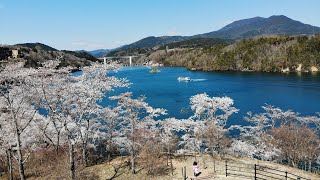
<point>237,30</point>
<point>273,25</point>
<point>36,53</point>
<point>37,44</point>
<point>96,53</point>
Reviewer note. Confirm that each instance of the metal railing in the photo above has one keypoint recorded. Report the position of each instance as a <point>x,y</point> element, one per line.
<point>258,172</point>
<point>239,170</point>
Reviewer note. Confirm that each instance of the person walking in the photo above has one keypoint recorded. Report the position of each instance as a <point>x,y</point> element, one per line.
<point>195,169</point>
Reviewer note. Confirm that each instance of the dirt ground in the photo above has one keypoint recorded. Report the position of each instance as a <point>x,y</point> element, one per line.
<point>210,168</point>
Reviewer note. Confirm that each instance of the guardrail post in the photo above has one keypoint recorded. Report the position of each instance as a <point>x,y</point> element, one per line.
<point>184,175</point>
<point>182,172</point>
<point>226,168</point>
<point>171,166</point>
<point>286,175</point>
<point>204,163</point>
<point>255,171</point>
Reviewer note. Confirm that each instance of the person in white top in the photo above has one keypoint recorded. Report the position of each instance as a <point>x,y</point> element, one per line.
<point>195,169</point>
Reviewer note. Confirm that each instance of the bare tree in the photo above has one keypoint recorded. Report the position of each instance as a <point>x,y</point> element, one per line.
<point>298,144</point>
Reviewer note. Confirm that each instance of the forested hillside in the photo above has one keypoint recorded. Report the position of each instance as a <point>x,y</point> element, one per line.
<point>269,54</point>
<point>34,54</point>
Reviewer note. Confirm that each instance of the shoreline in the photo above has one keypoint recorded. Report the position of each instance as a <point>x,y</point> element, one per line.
<point>235,71</point>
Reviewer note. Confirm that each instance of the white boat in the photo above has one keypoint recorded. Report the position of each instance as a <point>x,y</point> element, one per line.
<point>184,79</point>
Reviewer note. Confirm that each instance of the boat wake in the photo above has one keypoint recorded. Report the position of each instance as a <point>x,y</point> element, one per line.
<point>198,79</point>
<point>187,79</point>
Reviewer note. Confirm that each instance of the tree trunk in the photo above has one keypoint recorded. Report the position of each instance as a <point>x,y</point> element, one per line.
<point>9,158</point>
<point>19,151</point>
<point>168,154</point>
<point>293,163</point>
<point>171,166</point>
<point>71,161</point>
<point>84,154</point>
<point>58,143</point>
<point>84,145</point>
<point>310,166</point>
<point>212,151</point>
<point>305,165</point>
<point>133,161</point>
<point>133,148</point>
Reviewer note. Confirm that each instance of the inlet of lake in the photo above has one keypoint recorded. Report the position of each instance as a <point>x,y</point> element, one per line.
<point>249,90</point>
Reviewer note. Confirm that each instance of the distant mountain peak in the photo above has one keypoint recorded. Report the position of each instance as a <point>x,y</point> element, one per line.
<point>281,19</point>
<point>279,16</point>
<point>240,29</point>
<point>242,22</point>
<point>257,26</point>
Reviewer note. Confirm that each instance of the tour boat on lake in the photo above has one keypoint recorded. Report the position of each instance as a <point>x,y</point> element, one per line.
<point>184,79</point>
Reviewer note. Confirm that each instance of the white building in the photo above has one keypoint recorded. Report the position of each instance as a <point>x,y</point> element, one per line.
<point>15,53</point>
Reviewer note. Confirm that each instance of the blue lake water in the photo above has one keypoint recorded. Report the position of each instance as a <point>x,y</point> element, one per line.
<point>249,90</point>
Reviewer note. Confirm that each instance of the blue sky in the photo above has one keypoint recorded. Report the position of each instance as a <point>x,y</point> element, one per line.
<point>94,24</point>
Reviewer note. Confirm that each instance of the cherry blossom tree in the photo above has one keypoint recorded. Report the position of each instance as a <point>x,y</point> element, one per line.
<point>313,120</point>
<point>242,149</point>
<point>137,118</point>
<point>211,115</point>
<point>266,132</point>
<point>72,105</point>
<point>50,84</point>
<point>109,129</point>
<point>169,130</point>
<point>18,113</point>
<point>50,105</point>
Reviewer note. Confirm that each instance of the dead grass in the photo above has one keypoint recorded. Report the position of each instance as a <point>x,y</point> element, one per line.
<point>119,169</point>
<point>211,168</point>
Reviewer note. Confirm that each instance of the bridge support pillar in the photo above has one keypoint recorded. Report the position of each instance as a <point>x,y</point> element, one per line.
<point>105,61</point>
<point>130,60</point>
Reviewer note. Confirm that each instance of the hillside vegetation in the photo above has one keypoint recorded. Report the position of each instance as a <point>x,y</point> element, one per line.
<point>269,54</point>
<point>34,54</point>
<point>196,42</point>
<point>39,45</point>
